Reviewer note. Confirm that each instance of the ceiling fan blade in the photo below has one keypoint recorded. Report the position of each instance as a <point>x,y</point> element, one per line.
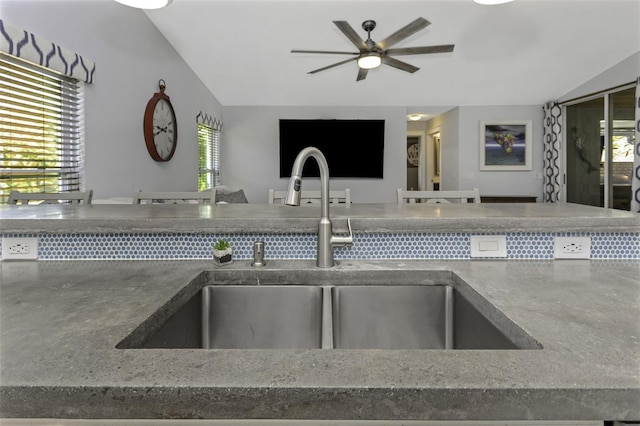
<point>399,64</point>
<point>420,50</point>
<point>403,33</point>
<point>351,34</point>
<point>362,74</point>
<point>331,66</point>
<point>329,52</point>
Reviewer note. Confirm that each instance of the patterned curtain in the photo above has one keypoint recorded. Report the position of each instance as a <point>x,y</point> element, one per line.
<point>30,47</point>
<point>552,143</point>
<point>635,181</point>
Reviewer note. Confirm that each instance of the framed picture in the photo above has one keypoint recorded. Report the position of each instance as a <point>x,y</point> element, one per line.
<point>505,145</point>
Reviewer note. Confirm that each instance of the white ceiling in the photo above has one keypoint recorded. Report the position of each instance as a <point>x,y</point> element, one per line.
<point>522,53</point>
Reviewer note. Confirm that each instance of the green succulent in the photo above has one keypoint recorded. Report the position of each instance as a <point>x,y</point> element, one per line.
<point>221,245</point>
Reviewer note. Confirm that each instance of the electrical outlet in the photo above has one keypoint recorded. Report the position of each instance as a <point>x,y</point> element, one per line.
<point>19,248</point>
<point>572,248</point>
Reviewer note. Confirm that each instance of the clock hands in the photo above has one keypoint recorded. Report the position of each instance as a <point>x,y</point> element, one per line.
<point>162,129</point>
<point>163,144</point>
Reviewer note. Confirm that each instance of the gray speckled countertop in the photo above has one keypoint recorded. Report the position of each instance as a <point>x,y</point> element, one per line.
<point>524,217</point>
<point>60,323</point>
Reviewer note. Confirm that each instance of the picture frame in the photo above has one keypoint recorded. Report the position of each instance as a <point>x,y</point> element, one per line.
<point>505,145</point>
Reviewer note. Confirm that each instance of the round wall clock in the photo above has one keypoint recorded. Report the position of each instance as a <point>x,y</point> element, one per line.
<point>160,126</point>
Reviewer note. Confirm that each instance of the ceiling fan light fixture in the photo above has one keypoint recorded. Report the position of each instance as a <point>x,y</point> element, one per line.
<point>369,61</point>
<point>146,4</point>
<point>492,2</point>
<point>371,54</point>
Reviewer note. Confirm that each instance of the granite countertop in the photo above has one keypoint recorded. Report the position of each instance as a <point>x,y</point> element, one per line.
<point>366,218</point>
<point>60,323</point>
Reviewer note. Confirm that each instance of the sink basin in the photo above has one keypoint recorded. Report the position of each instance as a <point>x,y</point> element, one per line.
<point>329,310</point>
<point>245,317</point>
<point>261,317</point>
<point>410,317</point>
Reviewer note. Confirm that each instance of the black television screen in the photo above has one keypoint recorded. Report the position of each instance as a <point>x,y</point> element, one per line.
<point>353,148</point>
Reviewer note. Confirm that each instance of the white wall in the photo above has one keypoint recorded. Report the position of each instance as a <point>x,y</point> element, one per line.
<point>250,149</point>
<point>131,55</point>
<point>626,71</point>
<point>448,126</point>
<point>499,182</point>
<point>460,151</point>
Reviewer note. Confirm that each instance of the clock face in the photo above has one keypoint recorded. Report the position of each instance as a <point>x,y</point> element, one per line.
<point>164,129</point>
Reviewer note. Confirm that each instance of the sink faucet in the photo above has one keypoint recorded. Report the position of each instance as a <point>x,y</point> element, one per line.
<point>326,239</point>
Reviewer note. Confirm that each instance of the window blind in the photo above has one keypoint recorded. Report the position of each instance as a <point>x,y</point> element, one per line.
<point>208,157</point>
<point>41,129</point>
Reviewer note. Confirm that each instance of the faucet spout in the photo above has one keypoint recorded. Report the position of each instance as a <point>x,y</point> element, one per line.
<point>326,239</point>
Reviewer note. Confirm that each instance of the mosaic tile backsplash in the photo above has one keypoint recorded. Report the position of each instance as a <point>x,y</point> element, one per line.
<point>149,246</point>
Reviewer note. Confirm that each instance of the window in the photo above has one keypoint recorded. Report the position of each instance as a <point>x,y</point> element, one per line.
<point>208,157</point>
<point>41,129</point>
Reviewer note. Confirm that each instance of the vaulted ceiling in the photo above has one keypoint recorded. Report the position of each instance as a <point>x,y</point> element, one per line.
<point>522,53</point>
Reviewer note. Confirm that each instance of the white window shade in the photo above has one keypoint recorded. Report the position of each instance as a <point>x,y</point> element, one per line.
<point>41,129</point>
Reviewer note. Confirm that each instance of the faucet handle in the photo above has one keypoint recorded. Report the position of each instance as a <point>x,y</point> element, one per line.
<point>342,241</point>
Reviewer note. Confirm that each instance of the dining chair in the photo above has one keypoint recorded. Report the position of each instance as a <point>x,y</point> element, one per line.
<point>433,197</point>
<point>160,197</point>
<point>34,198</point>
<point>312,196</point>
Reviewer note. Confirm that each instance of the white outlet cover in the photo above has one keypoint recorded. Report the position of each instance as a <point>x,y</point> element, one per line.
<point>572,248</point>
<point>32,243</point>
<point>485,246</point>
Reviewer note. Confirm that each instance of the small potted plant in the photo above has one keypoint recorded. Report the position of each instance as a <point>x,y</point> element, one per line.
<point>222,252</point>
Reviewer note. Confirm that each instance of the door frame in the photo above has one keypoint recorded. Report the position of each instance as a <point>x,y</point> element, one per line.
<point>430,146</point>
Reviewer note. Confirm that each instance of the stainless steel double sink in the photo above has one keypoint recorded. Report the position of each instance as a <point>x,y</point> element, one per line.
<point>329,310</point>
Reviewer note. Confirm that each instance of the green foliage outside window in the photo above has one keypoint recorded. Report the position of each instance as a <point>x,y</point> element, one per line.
<point>208,158</point>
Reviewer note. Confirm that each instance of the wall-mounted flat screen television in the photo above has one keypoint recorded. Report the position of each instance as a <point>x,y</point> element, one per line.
<point>353,148</point>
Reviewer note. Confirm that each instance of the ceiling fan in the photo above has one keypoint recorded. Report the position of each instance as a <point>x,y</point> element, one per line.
<point>371,54</point>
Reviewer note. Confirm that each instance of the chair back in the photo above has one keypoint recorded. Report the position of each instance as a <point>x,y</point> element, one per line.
<point>312,197</point>
<point>433,197</point>
<point>159,197</point>
<point>18,197</point>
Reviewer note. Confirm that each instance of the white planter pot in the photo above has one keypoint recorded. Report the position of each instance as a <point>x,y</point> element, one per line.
<point>223,257</point>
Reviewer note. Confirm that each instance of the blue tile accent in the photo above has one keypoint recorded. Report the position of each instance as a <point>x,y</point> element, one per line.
<point>530,245</point>
<point>143,246</point>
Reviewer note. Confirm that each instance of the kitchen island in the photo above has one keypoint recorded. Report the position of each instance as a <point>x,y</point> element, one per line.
<point>273,218</point>
<point>60,323</point>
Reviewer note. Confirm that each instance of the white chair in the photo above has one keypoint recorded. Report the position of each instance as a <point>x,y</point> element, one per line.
<point>312,197</point>
<point>17,197</point>
<point>149,197</point>
<point>432,197</point>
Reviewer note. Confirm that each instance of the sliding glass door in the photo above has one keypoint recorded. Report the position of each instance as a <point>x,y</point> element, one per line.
<point>599,150</point>
<point>621,141</point>
<point>584,151</point>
